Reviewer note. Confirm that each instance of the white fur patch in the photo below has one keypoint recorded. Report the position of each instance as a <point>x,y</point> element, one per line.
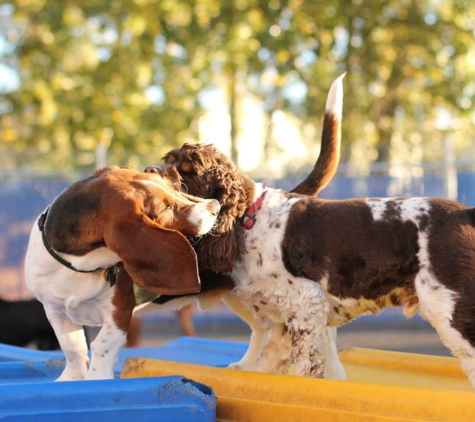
<point>83,298</point>
<point>280,300</point>
<point>201,216</point>
<point>436,305</point>
<point>334,102</point>
<point>71,300</point>
<point>411,209</point>
<point>378,207</point>
<point>98,258</point>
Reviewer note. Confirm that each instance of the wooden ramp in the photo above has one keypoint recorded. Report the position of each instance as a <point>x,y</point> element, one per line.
<point>381,386</point>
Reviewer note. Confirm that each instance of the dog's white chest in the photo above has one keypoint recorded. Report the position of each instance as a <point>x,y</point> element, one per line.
<point>261,278</point>
<point>263,256</point>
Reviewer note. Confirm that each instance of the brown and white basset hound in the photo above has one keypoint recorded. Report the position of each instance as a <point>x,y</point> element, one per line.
<point>305,264</point>
<point>105,245</point>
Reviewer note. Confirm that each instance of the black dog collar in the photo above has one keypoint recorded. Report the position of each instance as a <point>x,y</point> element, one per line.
<point>110,273</point>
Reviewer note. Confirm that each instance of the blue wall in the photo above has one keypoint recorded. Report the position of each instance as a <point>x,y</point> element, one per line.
<point>21,201</point>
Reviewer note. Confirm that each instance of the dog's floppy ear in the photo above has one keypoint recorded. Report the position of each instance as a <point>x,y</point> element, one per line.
<point>157,259</point>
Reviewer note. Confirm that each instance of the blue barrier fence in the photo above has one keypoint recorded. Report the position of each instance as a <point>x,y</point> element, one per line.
<point>22,200</point>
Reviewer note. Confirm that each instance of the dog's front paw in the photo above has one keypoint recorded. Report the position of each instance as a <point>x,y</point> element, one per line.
<point>337,374</point>
<point>70,377</point>
<point>238,366</point>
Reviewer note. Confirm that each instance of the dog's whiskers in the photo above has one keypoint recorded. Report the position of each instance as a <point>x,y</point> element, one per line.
<point>185,188</point>
<point>195,240</point>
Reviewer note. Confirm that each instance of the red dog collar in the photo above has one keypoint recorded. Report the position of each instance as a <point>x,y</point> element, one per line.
<point>249,218</point>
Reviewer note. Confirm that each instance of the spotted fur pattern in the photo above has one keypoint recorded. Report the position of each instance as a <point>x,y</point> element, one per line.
<point>293,310</point>
<point>310,264</point>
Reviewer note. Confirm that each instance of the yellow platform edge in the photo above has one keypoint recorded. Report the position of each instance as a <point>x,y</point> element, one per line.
<point>405,361</point>
<point>249,396</point>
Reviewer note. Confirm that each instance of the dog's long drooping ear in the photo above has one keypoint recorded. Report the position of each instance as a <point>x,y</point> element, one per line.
<point>157,259</point>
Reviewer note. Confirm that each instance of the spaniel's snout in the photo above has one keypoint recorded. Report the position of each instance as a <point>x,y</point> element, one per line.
<point>153,169</point>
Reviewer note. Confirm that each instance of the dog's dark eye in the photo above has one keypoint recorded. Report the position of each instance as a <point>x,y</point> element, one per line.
<point>186,168</point>
<point>169,207</point>
<point>170,159</point>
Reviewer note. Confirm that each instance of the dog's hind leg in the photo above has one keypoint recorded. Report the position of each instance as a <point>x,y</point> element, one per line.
<point>453,317</point>
<point>468,366</point>
<point>72,340</point>
<point>258,330</point>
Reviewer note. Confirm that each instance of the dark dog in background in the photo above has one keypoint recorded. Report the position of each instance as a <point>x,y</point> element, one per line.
<point>24,323</point>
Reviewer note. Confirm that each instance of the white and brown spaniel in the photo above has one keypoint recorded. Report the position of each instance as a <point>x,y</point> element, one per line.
<point>295,265</point>
<point>203,170</point>
<point>105,245</point>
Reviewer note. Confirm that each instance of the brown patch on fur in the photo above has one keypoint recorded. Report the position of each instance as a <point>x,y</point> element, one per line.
<point>124,298</point>
<point>116,209</point>
<point>339,239</point>
<point>377,260</point>
<point>452,240</point>
<point>392,211</point>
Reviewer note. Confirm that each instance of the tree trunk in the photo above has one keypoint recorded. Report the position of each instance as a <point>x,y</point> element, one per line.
<point>233,113</point>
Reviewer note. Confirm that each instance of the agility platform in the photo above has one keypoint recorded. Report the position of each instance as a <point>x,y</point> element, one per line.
<point>187,380</point>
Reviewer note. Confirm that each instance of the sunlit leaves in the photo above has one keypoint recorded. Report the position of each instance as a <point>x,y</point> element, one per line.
<point>141,71</point>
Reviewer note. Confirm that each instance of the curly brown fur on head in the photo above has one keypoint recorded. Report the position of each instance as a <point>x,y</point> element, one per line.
<point>203,171</point>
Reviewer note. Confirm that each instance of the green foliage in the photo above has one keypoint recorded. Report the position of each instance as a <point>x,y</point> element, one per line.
<point>85,73</point>
<point>131,73</point>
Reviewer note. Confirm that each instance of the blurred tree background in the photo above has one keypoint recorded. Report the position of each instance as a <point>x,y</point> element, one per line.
<point>140,76</point>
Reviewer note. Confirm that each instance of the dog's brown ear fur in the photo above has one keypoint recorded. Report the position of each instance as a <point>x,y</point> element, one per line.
<point>235,192</point>
<point>157,259</point>
<point>102,170</point>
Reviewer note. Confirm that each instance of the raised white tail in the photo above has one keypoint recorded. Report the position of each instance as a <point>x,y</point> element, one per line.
<point>327,162</point>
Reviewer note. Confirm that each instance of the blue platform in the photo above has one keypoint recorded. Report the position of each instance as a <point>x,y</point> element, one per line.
<point>28,393</point>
